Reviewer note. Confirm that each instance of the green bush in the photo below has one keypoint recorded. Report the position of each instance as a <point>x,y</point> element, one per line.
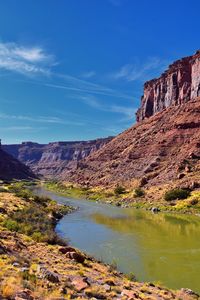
<point>139,192</point>
<point>119,190</point>
<point>11,225</point>
<point>176,194</point>
<point>37,236</point>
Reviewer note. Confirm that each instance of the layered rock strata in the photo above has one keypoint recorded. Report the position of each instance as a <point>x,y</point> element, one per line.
<point>179,84</point>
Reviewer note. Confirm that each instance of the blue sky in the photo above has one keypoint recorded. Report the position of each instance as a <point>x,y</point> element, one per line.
<point>75,69</point>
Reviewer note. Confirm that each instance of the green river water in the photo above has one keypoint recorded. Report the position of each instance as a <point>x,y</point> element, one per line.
<point>159,247</point>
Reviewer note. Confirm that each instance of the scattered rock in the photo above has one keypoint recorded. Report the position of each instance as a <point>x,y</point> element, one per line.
<point>3,249</point>
<point>50,276</point>
<point>76,256</point>
<point>187,169</point>
<point>180,175</point>
<point>107,287</point>
<point>16,264</point>
<point>155,209</point>
<point>194,185</point>
<point>25,294</point>
<point>24,269</point>
<point>189,292</point>
<point>143,181</point>
<point>65,250</point>
<point>2,210</point>
<point>130,294</point>
<point>80,283</point>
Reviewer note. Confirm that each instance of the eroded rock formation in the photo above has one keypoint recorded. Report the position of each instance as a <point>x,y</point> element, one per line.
<point>157,149</point>
<point>179,84</point>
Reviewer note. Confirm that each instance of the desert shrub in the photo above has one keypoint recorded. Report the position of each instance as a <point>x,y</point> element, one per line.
<point>175,194</point>
<point>29,277</point>
<point>130,276</point>
<point>119,190</point>
<point>20,191</point>
<point>34,221</point>
<point>25,194</point>
<point>3,190</point>
<point>194,201</point>
<point>38,218</point>
<point>139,192</point>
<point>11,225</point>
<point>43,200</point>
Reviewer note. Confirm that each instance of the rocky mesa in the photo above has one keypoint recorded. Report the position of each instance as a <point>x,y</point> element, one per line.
<point>163,146</point>
<point>49,160</point>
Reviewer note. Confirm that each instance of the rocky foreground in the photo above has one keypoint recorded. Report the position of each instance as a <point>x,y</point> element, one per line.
<point>31,269</point>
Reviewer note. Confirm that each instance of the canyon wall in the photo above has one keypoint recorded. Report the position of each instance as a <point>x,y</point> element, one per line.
<point>159,149</point>
<point>51,159</point>
<point>179,84</point>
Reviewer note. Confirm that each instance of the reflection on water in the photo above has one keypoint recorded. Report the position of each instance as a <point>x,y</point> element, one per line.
<point>155,247</point>
<point>168,245</point>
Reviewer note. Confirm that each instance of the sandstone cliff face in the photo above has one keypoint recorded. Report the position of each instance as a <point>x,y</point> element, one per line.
<point>157,148</point>
<point>51,159</point>
<point>11,168</point>
<point>179,84</point>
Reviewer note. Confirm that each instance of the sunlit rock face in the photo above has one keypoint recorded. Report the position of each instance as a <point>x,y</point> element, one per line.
<point>179,84</point>
<point>159,149</point>
<point>164,143</point>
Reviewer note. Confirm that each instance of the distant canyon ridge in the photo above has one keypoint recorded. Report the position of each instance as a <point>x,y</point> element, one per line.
<point>50,160</point>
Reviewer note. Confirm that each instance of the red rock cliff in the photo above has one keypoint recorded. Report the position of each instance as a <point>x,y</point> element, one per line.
<point>179,84</point>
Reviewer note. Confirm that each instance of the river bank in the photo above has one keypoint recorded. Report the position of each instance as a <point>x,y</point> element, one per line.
<point>34,267</point>
<point>151,199</point>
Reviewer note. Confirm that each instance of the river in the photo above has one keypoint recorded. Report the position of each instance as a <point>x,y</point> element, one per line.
<point>159,247</point>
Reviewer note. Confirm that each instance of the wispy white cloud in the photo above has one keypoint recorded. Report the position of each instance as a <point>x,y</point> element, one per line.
<point>31,61</point>
<point>81,87</point>
<point>88,75</point>
<point>138,71</point>
<point>34,54</point>
<point>22,128</point>
<point>127,111</point>
<point>24,60</point>
<point>39,119</point>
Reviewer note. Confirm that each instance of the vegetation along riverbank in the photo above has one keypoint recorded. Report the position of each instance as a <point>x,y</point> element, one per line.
<point>36,264</point>
<point>167,198</point>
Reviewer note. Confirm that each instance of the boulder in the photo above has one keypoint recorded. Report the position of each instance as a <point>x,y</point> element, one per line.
<point>26,294</point>
<point>155,209</point>
<point>80,258</point>
<point>80,283</point>
<point>50,276</point>
<point>180,175</point>
<point>65,250</point>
